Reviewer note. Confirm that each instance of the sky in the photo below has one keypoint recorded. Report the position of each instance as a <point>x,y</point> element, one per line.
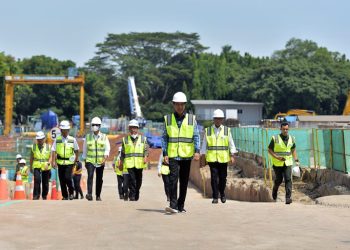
<point>70,29</point>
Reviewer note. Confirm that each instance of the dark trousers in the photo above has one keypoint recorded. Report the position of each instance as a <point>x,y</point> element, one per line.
<point>281,173</point>
<point>77,187</point>
<point>135,182</point>
<point>218,172</point>
<point>179,171</point>
<point>120,180</point>
<point>65,175</point>
<point>41,177</point>
<point>99,178</point>
<point>166,184</point>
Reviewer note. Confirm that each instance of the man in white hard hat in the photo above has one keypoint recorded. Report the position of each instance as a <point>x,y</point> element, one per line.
<point>65,155</point>
<point>134,157</point>
<point>95,153</point>
<point>180,143</point>
<point>219,149</point>
<point>40,166</point>
<point>18,158</point>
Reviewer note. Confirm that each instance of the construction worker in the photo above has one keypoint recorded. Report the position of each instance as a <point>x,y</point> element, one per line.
<point>24,171</point>
<point>219,149</point>
<point>77,172</point>
<point>282,148</point>
<point>95,153</point>
<point>134,157</point>
<point>40,166</point>
<point>163,171</point>
<point>64,156</point>
<point>119,174</point>
<point>18,158</point>
<point>180,143</point>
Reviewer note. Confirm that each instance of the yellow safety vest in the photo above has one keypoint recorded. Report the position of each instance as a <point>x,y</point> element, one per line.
<point>164,169</point>
<point>180,142</point>
<point>217,147</point>
<point>116,164</point>
<point>24,174</point>
<point>41,158</point>
<point>95,148</point>
<point>134,152</point>
<point>77,171</point>
<point>65,151</point>
<point>282,150</point>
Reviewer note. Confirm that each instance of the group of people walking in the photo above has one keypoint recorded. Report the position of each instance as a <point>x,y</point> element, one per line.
<point>180,145</point>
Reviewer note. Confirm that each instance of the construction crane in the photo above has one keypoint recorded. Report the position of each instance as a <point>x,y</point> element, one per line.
<point>135,108</point>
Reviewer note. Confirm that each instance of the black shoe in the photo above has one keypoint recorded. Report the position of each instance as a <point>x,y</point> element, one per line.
<point>88,197</point>
<point>71,196</point>
<point>132,199</point>
<point>223,199</point>
<point>44,198</point>
<point>81,196</point>
<point>182,210</point>
<point>137,196</point>
<point>126,197</point>
<point>215,201</point>
<point>76,197</point>
<point>121,196</point>
<point>288,201</point>
<point>98,198</point>
<point>35,198</point>
<point>274,194</point>
<point>64,198</point>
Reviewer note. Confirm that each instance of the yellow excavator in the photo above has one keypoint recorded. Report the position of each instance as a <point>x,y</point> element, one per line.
<point>346,110</point>
<point>295,112</point>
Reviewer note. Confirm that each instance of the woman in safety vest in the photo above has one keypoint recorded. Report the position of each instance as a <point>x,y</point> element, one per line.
<point>122,178</point>
<point>77,171</point>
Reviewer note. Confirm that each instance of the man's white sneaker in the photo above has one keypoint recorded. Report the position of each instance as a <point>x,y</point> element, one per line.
<point>171,210</point>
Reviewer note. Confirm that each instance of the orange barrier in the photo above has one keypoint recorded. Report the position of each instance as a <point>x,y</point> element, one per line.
<point>54,191</point>
<point>19,189</point>
<point>4,195</point>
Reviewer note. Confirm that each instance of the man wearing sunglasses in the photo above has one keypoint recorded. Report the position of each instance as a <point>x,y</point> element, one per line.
<point>95,152</point>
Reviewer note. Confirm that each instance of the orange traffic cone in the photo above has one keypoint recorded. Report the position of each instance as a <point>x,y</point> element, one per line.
<point>4,195</point>
<point>19,189</point>
<point>53,191</point>
<point>59,192</point>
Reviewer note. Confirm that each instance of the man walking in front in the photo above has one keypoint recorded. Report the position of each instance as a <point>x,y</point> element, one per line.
<point>180,142</point>
<point>282,149</point>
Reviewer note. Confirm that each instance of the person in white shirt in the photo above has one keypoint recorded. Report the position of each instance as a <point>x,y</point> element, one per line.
<point>95,153</point>
<point>219,149</point>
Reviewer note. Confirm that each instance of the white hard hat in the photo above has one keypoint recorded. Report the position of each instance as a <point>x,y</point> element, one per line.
<point>218,113</point>
<point>64,125</point>
<point>120,149</point>
<point>179,97</point>
<point>18,156</point>
<point>22,161</point>
<point>133,123</point>
<point>96,120</point>
<point>40,135</point>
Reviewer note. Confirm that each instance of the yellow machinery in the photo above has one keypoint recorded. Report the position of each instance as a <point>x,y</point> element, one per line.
<point>12,80</point>
<point>346,110</point>
<point>294,112</point>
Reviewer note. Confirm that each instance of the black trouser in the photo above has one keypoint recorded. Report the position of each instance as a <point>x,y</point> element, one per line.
<point>41,177</point>
<point>286,173</point>
<point>218,171</point>
<point>135,182</point>
<point>126,181</point>
<point>166,184</point>
<point>120,179</point>
<point>99,178</point>
<point>179,170</point>
<point>77,187</point>
<point>65,175</point>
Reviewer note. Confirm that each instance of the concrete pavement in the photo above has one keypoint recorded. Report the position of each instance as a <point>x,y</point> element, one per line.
<point>116,224</point>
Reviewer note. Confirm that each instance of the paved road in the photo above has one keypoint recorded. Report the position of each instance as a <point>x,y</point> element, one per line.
<point>115,224</point>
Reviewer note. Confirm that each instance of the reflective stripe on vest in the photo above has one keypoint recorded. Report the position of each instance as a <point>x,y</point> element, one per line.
<point>134,152</point>
<point>24,174</point>
<point>217,147</point>
<point>95,148</point>
<point>180,143</point>
<point>41,158</point>
<point>281,149</point>
<point>65,150</point>
<point>164,169</point>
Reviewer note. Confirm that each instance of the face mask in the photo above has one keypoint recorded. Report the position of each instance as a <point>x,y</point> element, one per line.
<point>134,136</point>
<point>94,128</point>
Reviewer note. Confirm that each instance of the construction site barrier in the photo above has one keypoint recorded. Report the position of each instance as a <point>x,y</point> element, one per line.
<point>317,148</point>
